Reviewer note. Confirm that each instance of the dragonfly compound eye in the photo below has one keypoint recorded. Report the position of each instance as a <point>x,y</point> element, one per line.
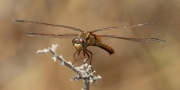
<point>82,41</point>
<point>75,40</point>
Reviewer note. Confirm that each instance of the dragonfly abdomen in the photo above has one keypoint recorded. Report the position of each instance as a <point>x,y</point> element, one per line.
<point>105,47</point>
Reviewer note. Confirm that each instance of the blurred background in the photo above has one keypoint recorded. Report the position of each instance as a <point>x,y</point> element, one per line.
<point>134,66</point>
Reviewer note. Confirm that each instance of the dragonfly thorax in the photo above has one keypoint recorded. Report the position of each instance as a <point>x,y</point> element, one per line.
<point>79,43</point>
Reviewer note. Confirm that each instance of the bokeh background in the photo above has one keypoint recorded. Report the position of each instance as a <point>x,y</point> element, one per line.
<point>134,66</point>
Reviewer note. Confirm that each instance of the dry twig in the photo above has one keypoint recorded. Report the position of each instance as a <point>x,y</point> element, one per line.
<point>84,72</point>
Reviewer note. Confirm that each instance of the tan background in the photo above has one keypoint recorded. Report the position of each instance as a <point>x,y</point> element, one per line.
<point>134,66</point>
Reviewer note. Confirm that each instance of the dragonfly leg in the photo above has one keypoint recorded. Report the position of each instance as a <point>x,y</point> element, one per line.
<point>74,55</point>
<point>90,56</point>
<point>87,53</point>
<point>84,52</point>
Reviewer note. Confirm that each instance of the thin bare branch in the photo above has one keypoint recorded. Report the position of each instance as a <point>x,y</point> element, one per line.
<point>84,72</point>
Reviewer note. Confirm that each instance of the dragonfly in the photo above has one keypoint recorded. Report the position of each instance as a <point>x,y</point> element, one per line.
<point>87,38</point>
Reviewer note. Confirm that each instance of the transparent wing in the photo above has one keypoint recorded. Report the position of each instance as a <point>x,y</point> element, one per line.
<point>127,26</point>
<point>50,25</point>
<point>136,39</point>
<point>70,35</point>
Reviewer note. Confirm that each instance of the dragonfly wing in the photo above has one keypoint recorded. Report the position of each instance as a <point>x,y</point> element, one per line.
<point>127,26</point>
<point>70,35</point>
<point>50,25</point>
<point>135,39</point>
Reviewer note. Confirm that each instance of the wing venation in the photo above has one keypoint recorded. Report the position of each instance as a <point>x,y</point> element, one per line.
<point>136,39</point>
<point>127,26</point>
<point>50,25</point>
<point>70,35</point>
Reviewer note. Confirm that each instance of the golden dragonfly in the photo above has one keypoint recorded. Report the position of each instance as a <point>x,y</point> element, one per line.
<point>88,38</point>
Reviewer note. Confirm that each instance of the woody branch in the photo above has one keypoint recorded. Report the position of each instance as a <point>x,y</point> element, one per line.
<point>84,71</point>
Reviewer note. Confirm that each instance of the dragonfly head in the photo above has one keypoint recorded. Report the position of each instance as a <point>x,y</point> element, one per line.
<point>79,43</point>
